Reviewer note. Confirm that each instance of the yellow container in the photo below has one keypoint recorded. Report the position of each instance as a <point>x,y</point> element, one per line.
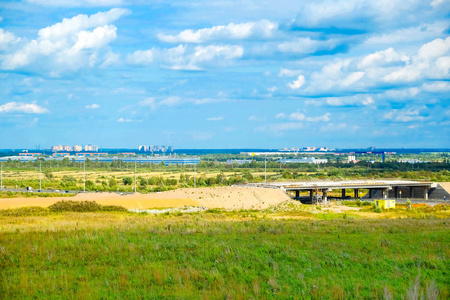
<point>384,204</point>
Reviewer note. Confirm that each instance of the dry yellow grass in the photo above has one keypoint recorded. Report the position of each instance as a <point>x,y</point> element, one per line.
<point>94,175</point>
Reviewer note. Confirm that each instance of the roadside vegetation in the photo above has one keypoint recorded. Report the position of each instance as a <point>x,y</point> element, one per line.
<point>118,176</point>
<point>288,251</point>
<point>9,194</point>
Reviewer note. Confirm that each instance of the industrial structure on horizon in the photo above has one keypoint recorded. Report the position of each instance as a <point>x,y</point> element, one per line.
<point>76,148</point>
<point>304,160</point>
<point>155,148</point>
<point>307,149</point>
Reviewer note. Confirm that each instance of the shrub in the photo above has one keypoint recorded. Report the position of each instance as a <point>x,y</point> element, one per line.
<point>83,206</point>
<point>24,211</point>
<point>78,206</point>
<point>127,180</point>
<point>114,208</point>
<point>378,210</point>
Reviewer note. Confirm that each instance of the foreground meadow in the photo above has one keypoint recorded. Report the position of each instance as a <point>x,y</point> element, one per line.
<point>218,254</point>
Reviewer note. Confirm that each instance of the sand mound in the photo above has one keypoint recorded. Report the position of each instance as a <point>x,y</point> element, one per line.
<point>217,197</point>
<point>231,197</point>
<point>446,186</point>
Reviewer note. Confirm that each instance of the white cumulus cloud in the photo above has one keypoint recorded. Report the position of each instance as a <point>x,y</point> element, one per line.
<point>141,57</point>
<point>29,108</point>
<point>69,45</point>
<point>122,120</point>
<point>97,38</point>
<point>323,118</point>
<point>260,29</point>
<point>77,3</point>
<point>298,116</point>
<point>289,73</point>
<point>92,106</point>
<point>306,45</point>
<point>187,58</point>
<point>430,62</point>
<point>424,32</point>
<point>368,14</point>
<point>7,38</point>
<point>405,115</point>
<point>72,26</point>
<point>296,84</point>
<point>382,57</point>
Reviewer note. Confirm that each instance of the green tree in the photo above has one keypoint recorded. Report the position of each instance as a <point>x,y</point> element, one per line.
<point>112,183</point>
<point>143,181</point>
<point>287,175</point>
<point>90,185</point>
<point>127,180</point>
<point>48,174</point>
<point>220,178</point>
<point>68,182</point>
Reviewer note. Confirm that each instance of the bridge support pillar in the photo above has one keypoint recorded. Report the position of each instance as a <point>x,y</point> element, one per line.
<point>370,193</point>
<point>311,196</point>
<point>395,192</point>
<point>297,195</point>
<point>385,193</point>
<point>425,193</point>
<point>411,192</point>
<point>343,194</point>
<point>325,196</point>
<point>356,192</point>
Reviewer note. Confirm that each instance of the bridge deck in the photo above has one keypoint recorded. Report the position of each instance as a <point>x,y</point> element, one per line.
<point>385,188</point>
<point>322,185</point>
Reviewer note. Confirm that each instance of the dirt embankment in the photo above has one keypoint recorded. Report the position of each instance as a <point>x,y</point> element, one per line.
<point>217,197</point>
<point>446,186</point>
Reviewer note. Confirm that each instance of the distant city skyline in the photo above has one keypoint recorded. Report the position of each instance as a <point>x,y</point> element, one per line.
<point>225,74</point>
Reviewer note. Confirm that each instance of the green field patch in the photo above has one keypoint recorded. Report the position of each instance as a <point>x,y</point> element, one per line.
<point>221,254</point>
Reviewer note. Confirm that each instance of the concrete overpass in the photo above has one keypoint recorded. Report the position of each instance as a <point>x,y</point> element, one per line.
<point>381,189</point>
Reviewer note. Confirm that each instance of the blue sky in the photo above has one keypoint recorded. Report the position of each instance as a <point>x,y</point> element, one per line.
<point>225,74</point>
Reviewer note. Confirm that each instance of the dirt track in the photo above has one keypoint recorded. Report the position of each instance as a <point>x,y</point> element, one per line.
<point>218,197</point>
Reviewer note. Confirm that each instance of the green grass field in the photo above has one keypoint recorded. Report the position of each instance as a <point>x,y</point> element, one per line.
<point>220,255</point>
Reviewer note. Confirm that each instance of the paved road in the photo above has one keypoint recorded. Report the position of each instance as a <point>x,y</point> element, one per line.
<point>38,191</point>
<point>57,191</point>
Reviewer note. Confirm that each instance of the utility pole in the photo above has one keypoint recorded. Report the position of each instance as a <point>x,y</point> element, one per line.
<point>84,171</point>
<point>135,174</point>
<point>1,184</point>
<point>40,177</point>
<point>195,172</point>
<point>265,169</point>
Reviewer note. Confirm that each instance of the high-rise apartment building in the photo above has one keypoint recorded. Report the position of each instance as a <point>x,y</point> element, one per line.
<point>57,148</point>
<point>90,147</point>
